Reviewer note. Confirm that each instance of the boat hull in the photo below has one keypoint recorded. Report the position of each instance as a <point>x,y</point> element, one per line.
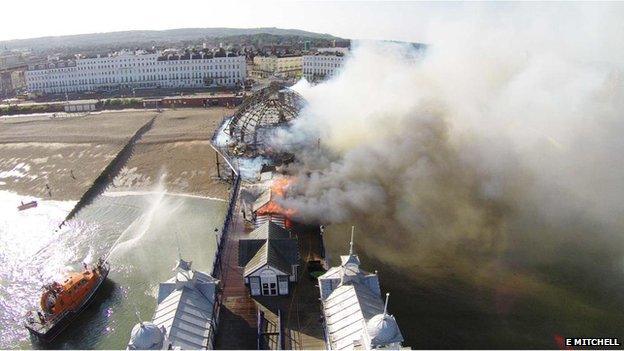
<point>48,332</point>
<point>25,206</point>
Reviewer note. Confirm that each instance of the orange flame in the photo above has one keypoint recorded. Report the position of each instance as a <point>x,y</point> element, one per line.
<point>278,190</point>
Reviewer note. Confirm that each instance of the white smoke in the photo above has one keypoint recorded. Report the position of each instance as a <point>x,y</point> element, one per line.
<point>504,136</point>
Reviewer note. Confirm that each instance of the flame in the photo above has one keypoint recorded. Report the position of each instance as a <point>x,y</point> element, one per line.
<point>279,185</point>
<point>278,190</point>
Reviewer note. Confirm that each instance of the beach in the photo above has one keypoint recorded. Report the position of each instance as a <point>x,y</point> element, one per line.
<point>59,158</point>
<point>145,215</point>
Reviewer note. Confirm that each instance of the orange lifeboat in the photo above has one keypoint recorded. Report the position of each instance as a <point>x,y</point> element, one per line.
<point>61,302</point>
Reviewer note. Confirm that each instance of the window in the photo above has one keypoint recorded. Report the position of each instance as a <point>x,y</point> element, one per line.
<point>283,284</point>
<point>269,289</point>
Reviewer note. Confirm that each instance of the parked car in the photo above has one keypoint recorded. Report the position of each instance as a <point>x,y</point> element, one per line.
<point>315,269</point>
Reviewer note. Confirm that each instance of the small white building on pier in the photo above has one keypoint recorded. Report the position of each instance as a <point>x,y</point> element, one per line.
<point>185,315</point>
<point>270,257</point>
<point>354,314</point>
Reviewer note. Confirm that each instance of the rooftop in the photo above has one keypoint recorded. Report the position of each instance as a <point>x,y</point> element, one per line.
<point>270,107</point>
<point>161,56</point>
<point>355,314</point>
<point>268,244</point>
<point>185,308</point>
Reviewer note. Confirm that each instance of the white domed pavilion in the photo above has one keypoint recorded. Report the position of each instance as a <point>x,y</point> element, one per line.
<point>355,316</point>
<point>146,336</point>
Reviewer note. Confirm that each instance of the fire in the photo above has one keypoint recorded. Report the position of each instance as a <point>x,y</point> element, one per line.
<point>280,185</point>
<point>278,189</point>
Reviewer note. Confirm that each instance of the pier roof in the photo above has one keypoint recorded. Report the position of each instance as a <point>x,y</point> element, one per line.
<point>278,255</point>
<point>346,311</point>
<point>268,202</point>
<point>260,113</point>
<point>262,200</point>
<point>355,314</point>
<point>185,308</point>
<point>269,244</point>
<point>270,231</point>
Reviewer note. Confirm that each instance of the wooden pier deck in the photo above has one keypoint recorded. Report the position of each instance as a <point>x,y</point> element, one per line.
<point>301,309</point>
<point>237,324</point>
<point>237,327</point>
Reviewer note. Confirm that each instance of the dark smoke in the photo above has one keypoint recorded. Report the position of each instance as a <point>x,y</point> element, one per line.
<point>494,158</point>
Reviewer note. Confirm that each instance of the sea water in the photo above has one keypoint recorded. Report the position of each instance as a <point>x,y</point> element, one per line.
<point>138,232</point>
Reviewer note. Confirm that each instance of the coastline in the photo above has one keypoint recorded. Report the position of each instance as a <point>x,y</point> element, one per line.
<point>60,159</point>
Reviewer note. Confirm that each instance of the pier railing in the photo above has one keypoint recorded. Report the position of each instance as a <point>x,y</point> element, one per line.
<point>227,222</point>
<point>270,335</point>
<point>215,133</point>
<point>218,259</point>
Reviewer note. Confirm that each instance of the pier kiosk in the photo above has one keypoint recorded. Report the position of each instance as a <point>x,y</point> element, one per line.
<point>270,257</point>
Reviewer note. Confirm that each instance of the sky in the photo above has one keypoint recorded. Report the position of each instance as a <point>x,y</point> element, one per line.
<point>387,20</point>
<point>351,19</point>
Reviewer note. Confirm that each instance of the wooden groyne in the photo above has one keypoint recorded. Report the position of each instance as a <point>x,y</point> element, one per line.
<point>101,183</point>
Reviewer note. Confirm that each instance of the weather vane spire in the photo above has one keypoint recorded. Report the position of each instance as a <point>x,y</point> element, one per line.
<point>351,242</point>
<point>386,305</point>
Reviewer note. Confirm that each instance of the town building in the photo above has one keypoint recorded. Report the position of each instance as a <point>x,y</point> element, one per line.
<point>13,65</point>
<point>12,80</point>
<point>18,78</point>
<point>270,257</point>
<point>354,314</point>
<point>341,43</point>
<point>202,100</point>
<point>136,70</point>
<point>337,50</point>
<point>283,66</point>
<point>10,59</point>
<point>323,64</point>
<point>185,317</point>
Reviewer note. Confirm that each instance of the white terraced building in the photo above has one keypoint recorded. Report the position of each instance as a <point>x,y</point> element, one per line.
<point>323,64</point>
<point>138,70</point>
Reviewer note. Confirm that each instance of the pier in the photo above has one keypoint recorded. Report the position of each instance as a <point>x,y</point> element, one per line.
<point>301,309</point>
<point>238,315</point>
<point>291,321</point>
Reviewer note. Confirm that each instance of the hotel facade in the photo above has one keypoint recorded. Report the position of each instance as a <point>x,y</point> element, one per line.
<point>281,66</point>
<point>138,70</point>
<point>323,64</point>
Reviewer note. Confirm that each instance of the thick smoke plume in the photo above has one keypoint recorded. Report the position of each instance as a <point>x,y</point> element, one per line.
<point>499,145</point>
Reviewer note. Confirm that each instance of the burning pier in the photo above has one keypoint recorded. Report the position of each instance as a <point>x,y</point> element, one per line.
<point>269,299</point>
<point>249,128</point>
